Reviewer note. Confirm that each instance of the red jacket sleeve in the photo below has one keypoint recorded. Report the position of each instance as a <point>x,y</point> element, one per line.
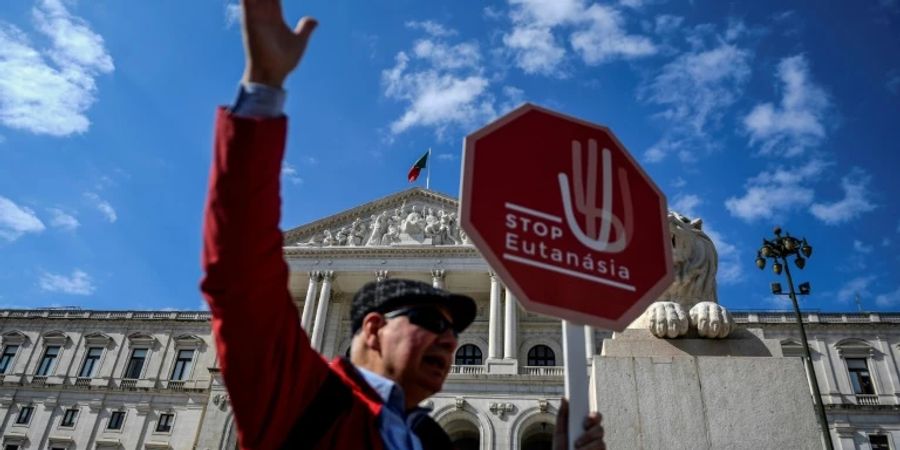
<point>270,370</point>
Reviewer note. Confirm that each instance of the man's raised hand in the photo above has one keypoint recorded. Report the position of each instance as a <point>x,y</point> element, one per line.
<point>272,49</point>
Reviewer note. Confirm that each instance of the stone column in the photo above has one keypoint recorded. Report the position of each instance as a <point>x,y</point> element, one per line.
<point>493,319</point>
<point>510,326</point>
<point>322,310</point>
<point>437,278</point>
<point>590,344</point>
<point>306,318</point>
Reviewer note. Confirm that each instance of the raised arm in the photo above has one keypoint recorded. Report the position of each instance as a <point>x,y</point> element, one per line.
<point>268,366</point>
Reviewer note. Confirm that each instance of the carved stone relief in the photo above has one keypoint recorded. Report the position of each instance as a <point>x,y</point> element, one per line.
<point>416,224</point>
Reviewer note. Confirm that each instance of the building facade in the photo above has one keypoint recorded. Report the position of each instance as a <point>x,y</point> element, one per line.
<point>75,379</point>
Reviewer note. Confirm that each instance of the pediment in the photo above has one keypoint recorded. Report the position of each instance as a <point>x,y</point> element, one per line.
<point>97,338</point>
<point>56,337</point>
<point>142,339</point>
<point>14,338</point>
<point>415,216</point>
<point>854,348</point>
<point>188,340</point>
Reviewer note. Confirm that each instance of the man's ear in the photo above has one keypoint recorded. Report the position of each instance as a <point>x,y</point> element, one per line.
<point>372,322</point>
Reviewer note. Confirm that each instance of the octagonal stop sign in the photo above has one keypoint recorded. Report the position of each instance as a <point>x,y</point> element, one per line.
<point>566,217</point>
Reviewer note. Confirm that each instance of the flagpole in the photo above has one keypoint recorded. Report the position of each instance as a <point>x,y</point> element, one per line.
<point>428,168</point>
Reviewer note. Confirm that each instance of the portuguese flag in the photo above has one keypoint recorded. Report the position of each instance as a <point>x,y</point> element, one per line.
<point>417,167</point>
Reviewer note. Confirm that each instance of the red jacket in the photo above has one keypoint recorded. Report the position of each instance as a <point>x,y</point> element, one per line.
<point>279,386</point>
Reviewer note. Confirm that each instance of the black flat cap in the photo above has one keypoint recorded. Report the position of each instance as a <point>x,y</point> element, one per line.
<point>394,293</point>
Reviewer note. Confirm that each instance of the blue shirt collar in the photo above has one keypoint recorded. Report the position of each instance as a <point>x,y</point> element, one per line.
<point>390,392</point>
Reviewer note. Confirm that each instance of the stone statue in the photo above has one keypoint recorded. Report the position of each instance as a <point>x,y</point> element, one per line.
<point>379,227</point>
<point>342,236</point>
<point>691,301</point>
<point>315,240</point>
<point>393,231</point>
<point>414,225</point>
<point>329,239</point>
<point>357,232</point>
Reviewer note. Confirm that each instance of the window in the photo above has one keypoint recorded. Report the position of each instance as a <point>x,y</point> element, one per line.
<point>468,355</point>
<point>136,363</point>
<point>24,415</point>
<point>90,362</point>
<point>879,442</point>
<point>541,355</point>
<point>182,365</point>
<point>164,424</point>
<point>115,420</point>
<point>860,377</point>
<point>9,352</point>
<point>11,447</point>
<point>69,417</point>
<point>46,364</point>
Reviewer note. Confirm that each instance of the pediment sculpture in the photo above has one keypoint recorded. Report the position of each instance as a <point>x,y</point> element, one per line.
<point>408,224</point>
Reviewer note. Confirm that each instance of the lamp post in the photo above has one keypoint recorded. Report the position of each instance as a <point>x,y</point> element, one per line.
<point>779,250</point>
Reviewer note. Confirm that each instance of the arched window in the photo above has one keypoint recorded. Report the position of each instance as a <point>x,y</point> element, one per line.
<point>468,355</point>
<point>541,355</point>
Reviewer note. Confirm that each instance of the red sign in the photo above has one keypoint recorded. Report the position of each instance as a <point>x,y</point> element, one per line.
<point>567,218</point>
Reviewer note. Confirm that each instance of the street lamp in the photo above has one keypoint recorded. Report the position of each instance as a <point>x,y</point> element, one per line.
<point>780,250</point>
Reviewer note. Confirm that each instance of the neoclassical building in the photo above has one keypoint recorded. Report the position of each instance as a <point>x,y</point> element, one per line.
<point>75,379</point>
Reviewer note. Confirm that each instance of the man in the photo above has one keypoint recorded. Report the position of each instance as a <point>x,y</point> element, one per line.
<point>284,395</point>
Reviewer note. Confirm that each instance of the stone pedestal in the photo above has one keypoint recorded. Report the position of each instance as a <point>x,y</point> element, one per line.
<point>737,393</point>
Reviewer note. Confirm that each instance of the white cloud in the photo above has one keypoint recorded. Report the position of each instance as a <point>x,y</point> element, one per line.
<point>17,220</point>
<point>859,285</point>
<point>604,38</point>
<point>797,123</point>
<point>776,192</point>
<point>438,95</point>
<point>686,204</point>
<point>443,56</point>
<point>103,206</point>
<point>536,50</point>
<point>446,157</point>
<point>731,268</point>
<point>698,86</point>
<point>233,14</point>
<point>893,82</point>
<point>289,173</point>
<point>49,90</point>
<point>854,203</point>
<point>597,34</point>
<point>63,220</point>
<point>679,182</point>
<point>79,283</point>
<point>666,23</point>
<point>889,300</point>
<point>860,247</point>
<point>432,28</point>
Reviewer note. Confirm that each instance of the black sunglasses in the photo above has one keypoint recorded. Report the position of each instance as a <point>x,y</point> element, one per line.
<point>429,318</point>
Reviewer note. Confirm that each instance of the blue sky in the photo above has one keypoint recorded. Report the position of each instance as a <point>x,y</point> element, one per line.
<point>746,114</point>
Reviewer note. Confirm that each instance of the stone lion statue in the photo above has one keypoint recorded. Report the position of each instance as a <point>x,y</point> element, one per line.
<point>691,301</point>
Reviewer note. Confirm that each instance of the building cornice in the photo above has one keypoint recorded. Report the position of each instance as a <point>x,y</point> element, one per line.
<point>394,252</point>
<point>815,318</point>
<point>69,314</point>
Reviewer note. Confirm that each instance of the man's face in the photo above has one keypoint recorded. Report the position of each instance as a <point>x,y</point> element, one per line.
<point>415,358</point>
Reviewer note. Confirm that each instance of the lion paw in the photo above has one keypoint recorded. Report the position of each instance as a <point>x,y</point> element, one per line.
<point>667,319</point>
<point>711,320</point>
